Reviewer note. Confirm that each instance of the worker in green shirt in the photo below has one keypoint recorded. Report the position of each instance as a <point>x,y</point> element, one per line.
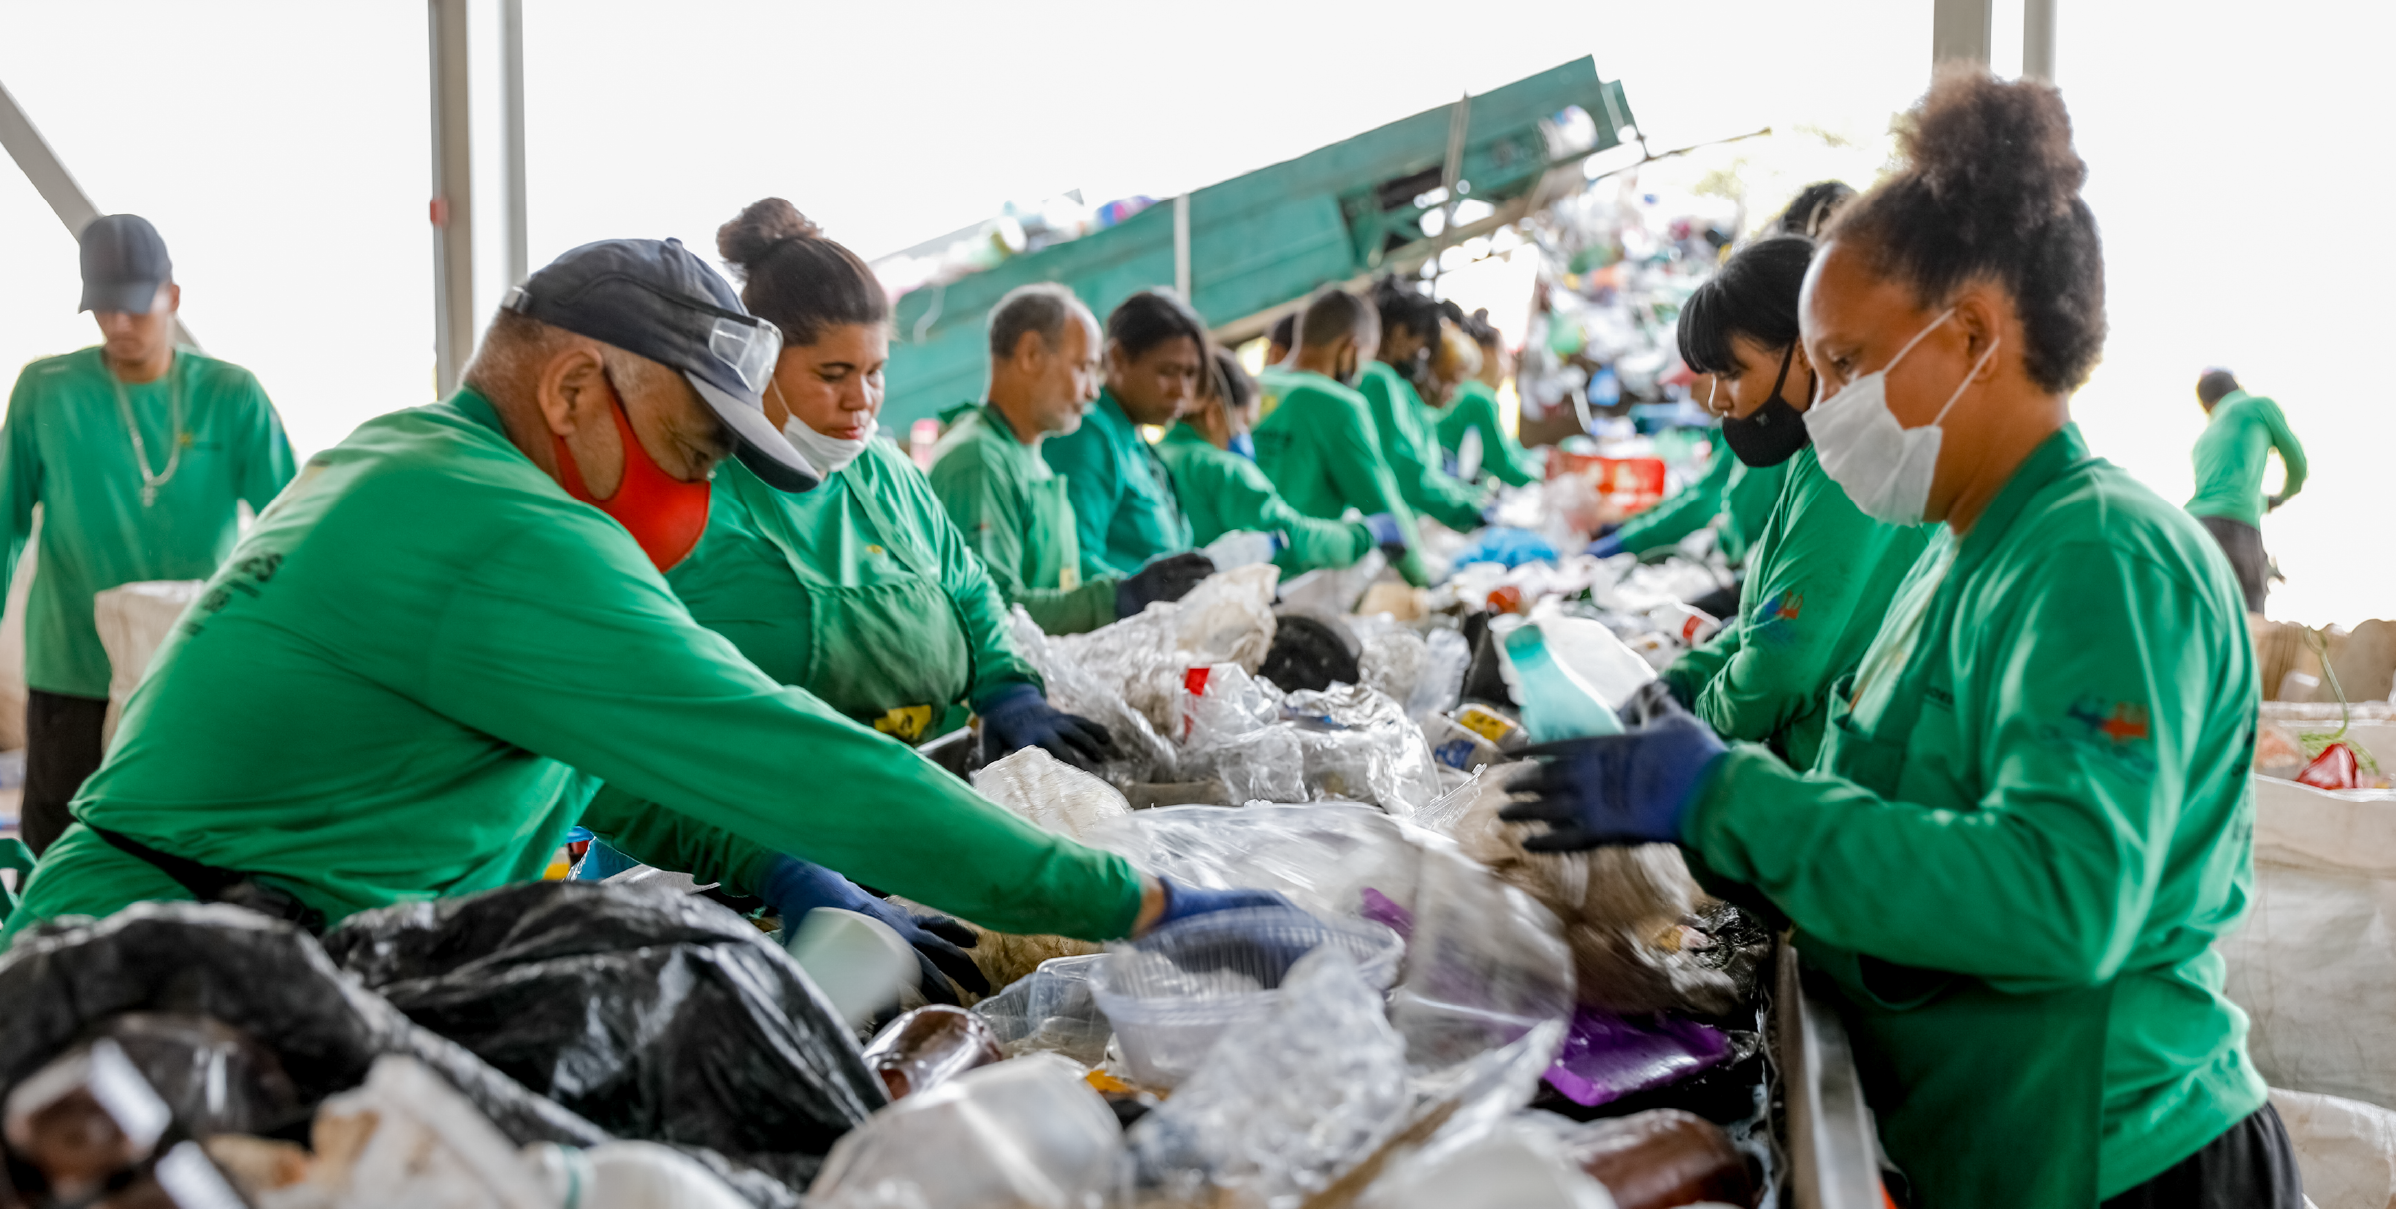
<point>2241,430</point>
<point>1012,508</point>
<point>1822,573</point>
<point>2030,819</point>
<point>1211,455</point>
<point>1410,334</point>
<point>1317,442</point>
<point>1124,510</point>
<point>860,591</point>
<point>139,453</point>
<point>1469,429</point>
<point>410,676</point>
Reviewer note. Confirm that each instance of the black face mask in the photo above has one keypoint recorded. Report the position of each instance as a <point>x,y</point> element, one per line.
<point>1773,433</point>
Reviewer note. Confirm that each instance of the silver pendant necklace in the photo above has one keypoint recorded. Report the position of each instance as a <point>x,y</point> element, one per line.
<point>151,482</point>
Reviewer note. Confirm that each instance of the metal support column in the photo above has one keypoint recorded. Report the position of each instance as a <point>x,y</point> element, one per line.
<point>1181,246</point>
<point>511,88</point>
<point>52,180</point>
<point>453,197</point>
<point>2038,40</point>
<point>1961,29</point>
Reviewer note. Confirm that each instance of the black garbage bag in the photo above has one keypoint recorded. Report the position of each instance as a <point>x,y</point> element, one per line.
<point>66,982</point>
<point>658,1015</point>
<point>1309,653</point>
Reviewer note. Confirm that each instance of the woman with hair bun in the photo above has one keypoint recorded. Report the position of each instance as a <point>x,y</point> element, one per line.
<point>2030,817</point>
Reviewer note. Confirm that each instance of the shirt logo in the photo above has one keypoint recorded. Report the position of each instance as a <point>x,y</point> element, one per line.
<point>2119,722</point>
<point>1774,617</point>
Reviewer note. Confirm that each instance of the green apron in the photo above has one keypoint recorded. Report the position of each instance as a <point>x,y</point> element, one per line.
<point>1986,1100</point>
<point>892,655</point>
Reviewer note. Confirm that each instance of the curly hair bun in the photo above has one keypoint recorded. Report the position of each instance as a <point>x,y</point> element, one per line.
<point>1997,154</point>
<point>761,226</point>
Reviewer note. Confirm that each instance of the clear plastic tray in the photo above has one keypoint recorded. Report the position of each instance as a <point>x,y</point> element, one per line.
<point>1171,994</point>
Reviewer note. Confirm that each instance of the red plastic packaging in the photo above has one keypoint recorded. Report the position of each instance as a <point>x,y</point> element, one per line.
<point>2334,768</point>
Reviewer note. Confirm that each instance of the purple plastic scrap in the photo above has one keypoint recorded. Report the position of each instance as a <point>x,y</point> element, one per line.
<point>1606,1057</point>
<point>1380,909</point>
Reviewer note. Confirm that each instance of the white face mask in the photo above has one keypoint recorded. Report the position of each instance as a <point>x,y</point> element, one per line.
<point>1884,466</point>
<point>828,454</point>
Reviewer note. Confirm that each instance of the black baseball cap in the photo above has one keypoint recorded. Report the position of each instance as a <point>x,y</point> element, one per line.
<point>653,298</point>
<point>124,263</point>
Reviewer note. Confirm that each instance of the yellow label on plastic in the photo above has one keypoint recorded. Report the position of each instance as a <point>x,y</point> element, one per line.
<point>1107,1084</point>
<point>1069,579</point>
<point>906,723</point>
<point>1483,723</point>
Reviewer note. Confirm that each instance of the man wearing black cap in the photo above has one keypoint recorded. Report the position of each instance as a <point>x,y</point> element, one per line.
<point>138,452</point>
<point>412,674</point>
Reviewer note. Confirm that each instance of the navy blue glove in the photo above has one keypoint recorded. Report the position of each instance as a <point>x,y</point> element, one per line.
<point>1605,547</point>
<point>1017,716</point>
<point>1615,789</point>
<point>1182,902</point>
<point>794,887</point>
<point>1167,578</point>
<point>1650,703</point>
<point>1386,531</point>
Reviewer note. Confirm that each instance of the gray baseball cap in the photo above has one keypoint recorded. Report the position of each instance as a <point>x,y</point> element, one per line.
<point>654,298</point>
<point>124,263</point>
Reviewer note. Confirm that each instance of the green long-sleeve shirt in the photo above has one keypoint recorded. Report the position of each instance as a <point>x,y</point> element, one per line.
<point>1015,515</point>
<point>1226,492</point>
<point>2071,804</point>
<point>1124,510</point>
<point>818,589</point>
<point>66,448</point>
<point>413,670</point>
<point>1318,445</point>
<point>1475,410</point>
<point>1400,423</point>
<point>2238,440</point>
<point>1819,582</point>
<point>1734,497</point>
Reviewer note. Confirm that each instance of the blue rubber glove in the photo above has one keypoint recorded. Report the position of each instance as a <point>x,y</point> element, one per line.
<point>1168,578</point>
<point>1634,788</point>
<point>1386,531</point>
<point>794,887</point>
<point>1016,716</point>
<point>1605,547</point>
<point>1182,902</point>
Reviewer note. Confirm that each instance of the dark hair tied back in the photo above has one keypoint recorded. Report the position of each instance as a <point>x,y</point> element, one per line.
<point>1753,295</point>
<point>794,278</point>
<point>1990,188</point>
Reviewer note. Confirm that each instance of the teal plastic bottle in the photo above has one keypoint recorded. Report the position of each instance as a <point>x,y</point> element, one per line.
<point>1556,704</point>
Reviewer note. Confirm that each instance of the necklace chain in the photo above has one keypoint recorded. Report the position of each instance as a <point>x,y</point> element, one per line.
<point>151,482</point>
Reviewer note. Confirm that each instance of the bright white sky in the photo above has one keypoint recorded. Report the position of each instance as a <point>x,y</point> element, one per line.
<point>281,147</point>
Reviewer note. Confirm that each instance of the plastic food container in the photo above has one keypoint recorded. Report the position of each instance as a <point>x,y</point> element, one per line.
<point>1172,993</point>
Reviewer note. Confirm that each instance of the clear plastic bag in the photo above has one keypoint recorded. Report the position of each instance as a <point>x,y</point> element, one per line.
<point>1334,589</point>
<point>1141,753</point>
<point>1024,1134</point>
<point>1051,1010</point>
<point>1048,792</point>
<point>1442,680</point>
<point>1360,746</point>
<point>1279,1110</point>
<point>1232,729</point>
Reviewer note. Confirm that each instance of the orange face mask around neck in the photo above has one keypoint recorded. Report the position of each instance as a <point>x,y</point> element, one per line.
<point>663,513</point>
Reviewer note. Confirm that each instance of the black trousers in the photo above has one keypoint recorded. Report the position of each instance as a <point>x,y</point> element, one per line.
<point>62,750</point>
<point>2251,1165</point>
<point>2244,545</point>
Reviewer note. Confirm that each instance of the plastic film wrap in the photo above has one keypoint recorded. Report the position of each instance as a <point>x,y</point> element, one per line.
<point>1024,1134</point>
<point>1141,753</point>
<point>1049,793</point>
<point>1278,1111</point>
<point>1360,746</point>
<point>1051,1011</point>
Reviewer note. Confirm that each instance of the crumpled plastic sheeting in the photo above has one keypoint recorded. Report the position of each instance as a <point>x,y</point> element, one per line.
<point>1485,965</point>
<point>1334,589</point>
<point>658,1015</point>
<point>1424,672</point>
<point>1622,908</point>
<point>1227,618</point>
<point>1051,1011</point>
<point>1360,746</point>
<point>1279,1110</point>
<point>1141,753</point>
<point>1049,793</point>
<point>1232,729</point>
<point>1025,1134</point>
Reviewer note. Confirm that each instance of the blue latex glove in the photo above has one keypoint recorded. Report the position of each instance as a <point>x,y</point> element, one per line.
<point>1168,578</point>
<point>1016,716</point>
<point>1182,902</point>
<point>1605,547</point>
<point>1508,547</point>
<point>1385,530</point>
<point>794,887</point>
<point>1615,789</point>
